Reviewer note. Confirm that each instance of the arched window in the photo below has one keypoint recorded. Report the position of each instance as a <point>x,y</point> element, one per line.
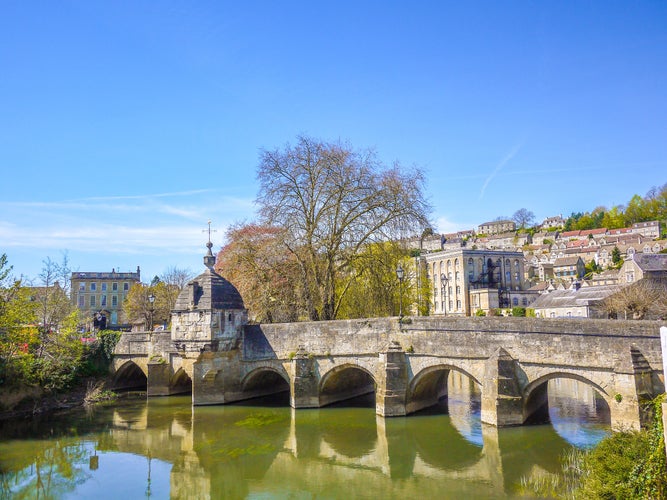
<point>471,263</point>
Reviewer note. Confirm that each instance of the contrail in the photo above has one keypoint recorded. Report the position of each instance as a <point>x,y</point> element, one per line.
<point>498,167</point>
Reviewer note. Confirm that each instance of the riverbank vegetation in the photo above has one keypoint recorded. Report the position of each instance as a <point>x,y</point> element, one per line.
<point>624,465</point>
<point>42,352</point>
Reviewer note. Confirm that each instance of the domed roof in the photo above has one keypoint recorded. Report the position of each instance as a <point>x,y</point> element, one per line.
<point>209,291</point>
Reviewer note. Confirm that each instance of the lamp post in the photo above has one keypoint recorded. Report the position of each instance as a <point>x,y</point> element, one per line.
<point>400,274</point>
<point>443,285</point>
<point>151,300</point>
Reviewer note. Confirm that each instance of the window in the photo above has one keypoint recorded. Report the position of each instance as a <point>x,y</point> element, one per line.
<point>81,301</point>
<point>93,287</point>
<point>515,301</point>
<point>82,287</point>
<point>458,304</point>
<point>92,301</point>
<point>458,276</point>
<point>126,286</point>
<point>524,301</point>
<point>104,287</point>
<point>103,300</point>
<point>451,305</point>
<point>516,276</point>
<point>114,301</point>
<point>114,287</point>
<point>458,289</point>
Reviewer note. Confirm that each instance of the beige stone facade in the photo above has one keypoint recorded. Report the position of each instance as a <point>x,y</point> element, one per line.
<point>466,280</point>
<point>496,227</point>
<point>103,293</point>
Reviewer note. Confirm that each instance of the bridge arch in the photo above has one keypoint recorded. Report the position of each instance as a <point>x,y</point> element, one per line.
<point>264,376</point>
<point>130,375</point>
<point>264,380</point>
<point>180,382</point>
<point>429,385</point>
<point>345,381</point>
<point>535,394</point>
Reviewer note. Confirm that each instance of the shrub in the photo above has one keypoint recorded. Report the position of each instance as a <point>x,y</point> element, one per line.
<point>519,311</point>
<point>627,464</point>
<point>480,312</point>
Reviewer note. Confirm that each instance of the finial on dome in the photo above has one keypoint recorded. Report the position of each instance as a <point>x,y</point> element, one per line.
<point>209,258</point>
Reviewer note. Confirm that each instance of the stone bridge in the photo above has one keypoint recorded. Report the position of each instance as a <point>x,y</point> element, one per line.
<point>407,364</point>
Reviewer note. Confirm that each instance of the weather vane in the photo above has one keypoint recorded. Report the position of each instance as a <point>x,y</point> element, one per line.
<point>209,230</point>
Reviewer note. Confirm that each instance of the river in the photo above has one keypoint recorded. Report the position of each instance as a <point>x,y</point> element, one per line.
<point>165,448</point>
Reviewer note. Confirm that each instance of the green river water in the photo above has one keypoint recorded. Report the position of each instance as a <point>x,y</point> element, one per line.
<point>165,448</point>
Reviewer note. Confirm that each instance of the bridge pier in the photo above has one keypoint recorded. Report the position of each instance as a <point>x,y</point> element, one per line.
<point>392,385</point>
<point>304,386</point>
<point>502,403</point>
<point>159,376</point>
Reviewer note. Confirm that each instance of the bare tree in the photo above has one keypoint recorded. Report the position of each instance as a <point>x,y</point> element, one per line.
<point>645,298</point>
<point>174,279</point>
<point>523,217</point>
<point>331,200</point>
<point>177,276</point>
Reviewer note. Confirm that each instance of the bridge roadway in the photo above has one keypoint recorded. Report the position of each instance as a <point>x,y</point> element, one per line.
<point>407,364</point>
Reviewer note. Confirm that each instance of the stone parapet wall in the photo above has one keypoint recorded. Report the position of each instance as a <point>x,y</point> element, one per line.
<point>586,340</point>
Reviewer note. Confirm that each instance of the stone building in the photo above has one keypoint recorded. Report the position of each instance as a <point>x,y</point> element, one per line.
<point>209,312</point>
<point>569,268</point>
<point>553,222</point>
<point>466,280</point>
<point>497,226</point>
<point>574,302</point>
<point>644,266</point>
<point>650,229</point>
<point>100,295</point>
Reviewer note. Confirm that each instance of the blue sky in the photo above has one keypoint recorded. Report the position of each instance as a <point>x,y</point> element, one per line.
<point>125,126</point>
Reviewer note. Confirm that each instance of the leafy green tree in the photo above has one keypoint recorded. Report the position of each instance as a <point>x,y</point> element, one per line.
<point>616,259</point>
<point>614,218</point>
<point>592,268</point>
<point>139,308</point>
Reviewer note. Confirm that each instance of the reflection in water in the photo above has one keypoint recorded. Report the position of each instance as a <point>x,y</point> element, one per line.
<point>577,412</point>
<point>164,448</point>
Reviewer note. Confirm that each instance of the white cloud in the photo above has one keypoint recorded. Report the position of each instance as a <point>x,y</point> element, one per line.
<point>444,225</point>
<point>500,165</point>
